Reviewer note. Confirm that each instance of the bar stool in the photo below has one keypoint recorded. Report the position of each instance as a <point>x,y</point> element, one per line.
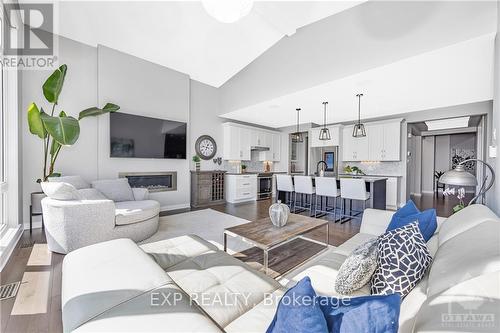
<point>304,186</point>
<point>284,183</point>
<point>352,189</point>
<point>326,187</point>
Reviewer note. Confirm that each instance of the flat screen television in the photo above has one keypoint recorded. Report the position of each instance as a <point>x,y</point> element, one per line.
<point>144,137</point>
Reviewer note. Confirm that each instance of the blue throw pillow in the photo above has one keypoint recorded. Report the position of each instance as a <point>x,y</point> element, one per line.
<point>408,209</point>
<point>299,311</point>
<point>374,314</point>
<point>427,222</point>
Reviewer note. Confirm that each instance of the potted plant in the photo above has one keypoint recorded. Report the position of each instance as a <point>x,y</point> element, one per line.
<point>57,131</point>
<point>243,168</point>
<point>196,160</point>
<point>353,170</point>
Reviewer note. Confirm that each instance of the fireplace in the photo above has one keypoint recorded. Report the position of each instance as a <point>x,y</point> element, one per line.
<point>153,181</point>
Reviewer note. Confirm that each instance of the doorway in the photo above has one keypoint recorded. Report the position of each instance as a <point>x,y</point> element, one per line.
<point>433,152</point>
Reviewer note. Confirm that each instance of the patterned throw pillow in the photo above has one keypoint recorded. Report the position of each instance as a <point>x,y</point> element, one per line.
<point>403,259</point>
<point>358,268</point>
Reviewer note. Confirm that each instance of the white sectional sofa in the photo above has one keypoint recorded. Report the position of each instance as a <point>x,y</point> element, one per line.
<point>113,286</point>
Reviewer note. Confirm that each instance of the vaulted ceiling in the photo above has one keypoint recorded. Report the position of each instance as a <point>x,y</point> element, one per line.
<point>182,36</point>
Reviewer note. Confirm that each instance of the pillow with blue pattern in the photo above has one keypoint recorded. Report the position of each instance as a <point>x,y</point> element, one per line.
<point>403,259</point>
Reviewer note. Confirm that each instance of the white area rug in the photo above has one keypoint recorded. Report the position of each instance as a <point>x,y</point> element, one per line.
<point>209,224</point>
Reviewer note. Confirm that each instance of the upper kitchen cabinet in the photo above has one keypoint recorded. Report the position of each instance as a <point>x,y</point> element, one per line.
<point>236,143</point>
<point>353,149</point>
<point>239,140</point>
<point>334,137</point>
<point>382,142</point>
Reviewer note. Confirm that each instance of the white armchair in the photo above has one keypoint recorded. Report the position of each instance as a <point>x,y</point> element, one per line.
<point>89,217</point>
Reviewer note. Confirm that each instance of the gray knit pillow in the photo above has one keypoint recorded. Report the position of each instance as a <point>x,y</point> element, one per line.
<point>358,268</point>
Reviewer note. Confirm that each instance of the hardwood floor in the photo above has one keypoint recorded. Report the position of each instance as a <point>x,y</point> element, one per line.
<point>37,307</point>
<point>443,205</point>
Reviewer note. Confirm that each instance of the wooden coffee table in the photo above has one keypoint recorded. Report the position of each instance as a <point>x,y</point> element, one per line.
<point>264,235</point>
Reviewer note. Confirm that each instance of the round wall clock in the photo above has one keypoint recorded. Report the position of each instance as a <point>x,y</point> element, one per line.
<point>205,147</point>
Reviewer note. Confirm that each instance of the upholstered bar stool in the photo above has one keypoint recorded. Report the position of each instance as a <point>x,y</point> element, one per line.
<point>352,189</point>
<point>304,187</point>
<point>326,187</point>
<point>284,183</point>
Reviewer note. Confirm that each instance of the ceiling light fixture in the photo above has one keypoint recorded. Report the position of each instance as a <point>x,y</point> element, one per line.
<point>297,136</point>
<point>441,124</point>
<point>324,133</point>
<point>359,129</point>
<point>227,11</point>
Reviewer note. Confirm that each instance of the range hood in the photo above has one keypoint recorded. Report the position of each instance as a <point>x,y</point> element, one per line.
<point>259,148</point>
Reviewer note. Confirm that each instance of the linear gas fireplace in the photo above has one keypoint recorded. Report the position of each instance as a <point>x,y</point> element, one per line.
<point>153,181</point>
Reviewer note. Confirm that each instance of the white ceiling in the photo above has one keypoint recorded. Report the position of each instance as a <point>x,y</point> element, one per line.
<point>454,75</point>
<point>182,36</point>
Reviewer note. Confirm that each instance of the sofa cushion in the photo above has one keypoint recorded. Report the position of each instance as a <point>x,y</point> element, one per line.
<point>472,305</point>
<point>352,243</point>
<point>76,181</point>
<point>164,309</point>
<point>170,252</point>
<point>214,276</point>
<point>90,194</point>
<point>59,190</point>
<point>463,220</point>
<point>128,212</point>
<point>468,254</point>
<point>115,189</point>
<point>99,277</point>
<point>408,209</point>
<point>403,259</point>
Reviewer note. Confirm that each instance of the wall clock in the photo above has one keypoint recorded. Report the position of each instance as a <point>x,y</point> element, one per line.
<point>205,146</point>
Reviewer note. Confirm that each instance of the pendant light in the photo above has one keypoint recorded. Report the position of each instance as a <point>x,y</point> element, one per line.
<point>297,136</point>
<point>359,128</point>
<point>324,133</point>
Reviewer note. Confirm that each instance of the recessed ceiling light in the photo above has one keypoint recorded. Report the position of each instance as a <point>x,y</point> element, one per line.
<point>435,125</point>
<point>228,11</point>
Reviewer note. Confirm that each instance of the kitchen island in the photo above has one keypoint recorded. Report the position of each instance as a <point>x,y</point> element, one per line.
<point>375,185</point>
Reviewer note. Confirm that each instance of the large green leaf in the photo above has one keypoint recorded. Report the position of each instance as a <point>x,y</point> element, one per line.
<point>64,130</point>
<point>95,111</point>
<point>53,86</point>
<point>35,121</point>
<point>56,146</point>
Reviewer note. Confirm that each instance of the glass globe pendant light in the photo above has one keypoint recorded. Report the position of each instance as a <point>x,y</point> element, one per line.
<point>359,128</point>
<point>324,133</point>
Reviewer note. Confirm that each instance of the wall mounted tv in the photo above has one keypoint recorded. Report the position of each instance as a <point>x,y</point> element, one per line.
<point>144,137</point>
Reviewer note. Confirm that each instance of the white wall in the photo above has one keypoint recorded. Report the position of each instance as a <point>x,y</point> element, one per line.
<point>143,88</point>
<point>204,108</point>
<point>79,92</point>
<point>428,164</point>
<point>494,200</point>
<point>442,158</point>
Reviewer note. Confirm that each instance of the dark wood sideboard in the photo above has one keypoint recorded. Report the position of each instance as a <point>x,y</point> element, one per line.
<point>207,188</point>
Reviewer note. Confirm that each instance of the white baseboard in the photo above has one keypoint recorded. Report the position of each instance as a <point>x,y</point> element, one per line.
<point>9,244</point>
<point>174,207</point>
<point>416,194</point>
<point>428,192</point>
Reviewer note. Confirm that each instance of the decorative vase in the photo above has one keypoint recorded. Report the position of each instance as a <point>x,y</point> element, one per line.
<point>278,213</point>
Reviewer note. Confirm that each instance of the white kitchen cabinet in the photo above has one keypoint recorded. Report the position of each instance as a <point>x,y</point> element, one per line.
<point>392,193</point>
<point>236,143</point>
<point>354,149</point>
<point>238,140</point>
<point>314,140</point>
<point>381,143</point>
<point>240,187</point>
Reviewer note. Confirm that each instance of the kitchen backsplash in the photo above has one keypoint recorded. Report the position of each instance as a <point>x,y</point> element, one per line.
<point>377,168</point>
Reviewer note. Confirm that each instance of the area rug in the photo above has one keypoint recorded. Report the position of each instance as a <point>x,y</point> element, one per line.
<point>208,224</point>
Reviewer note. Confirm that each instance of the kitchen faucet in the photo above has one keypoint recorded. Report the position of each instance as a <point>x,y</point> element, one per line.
<point>317,166</point>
